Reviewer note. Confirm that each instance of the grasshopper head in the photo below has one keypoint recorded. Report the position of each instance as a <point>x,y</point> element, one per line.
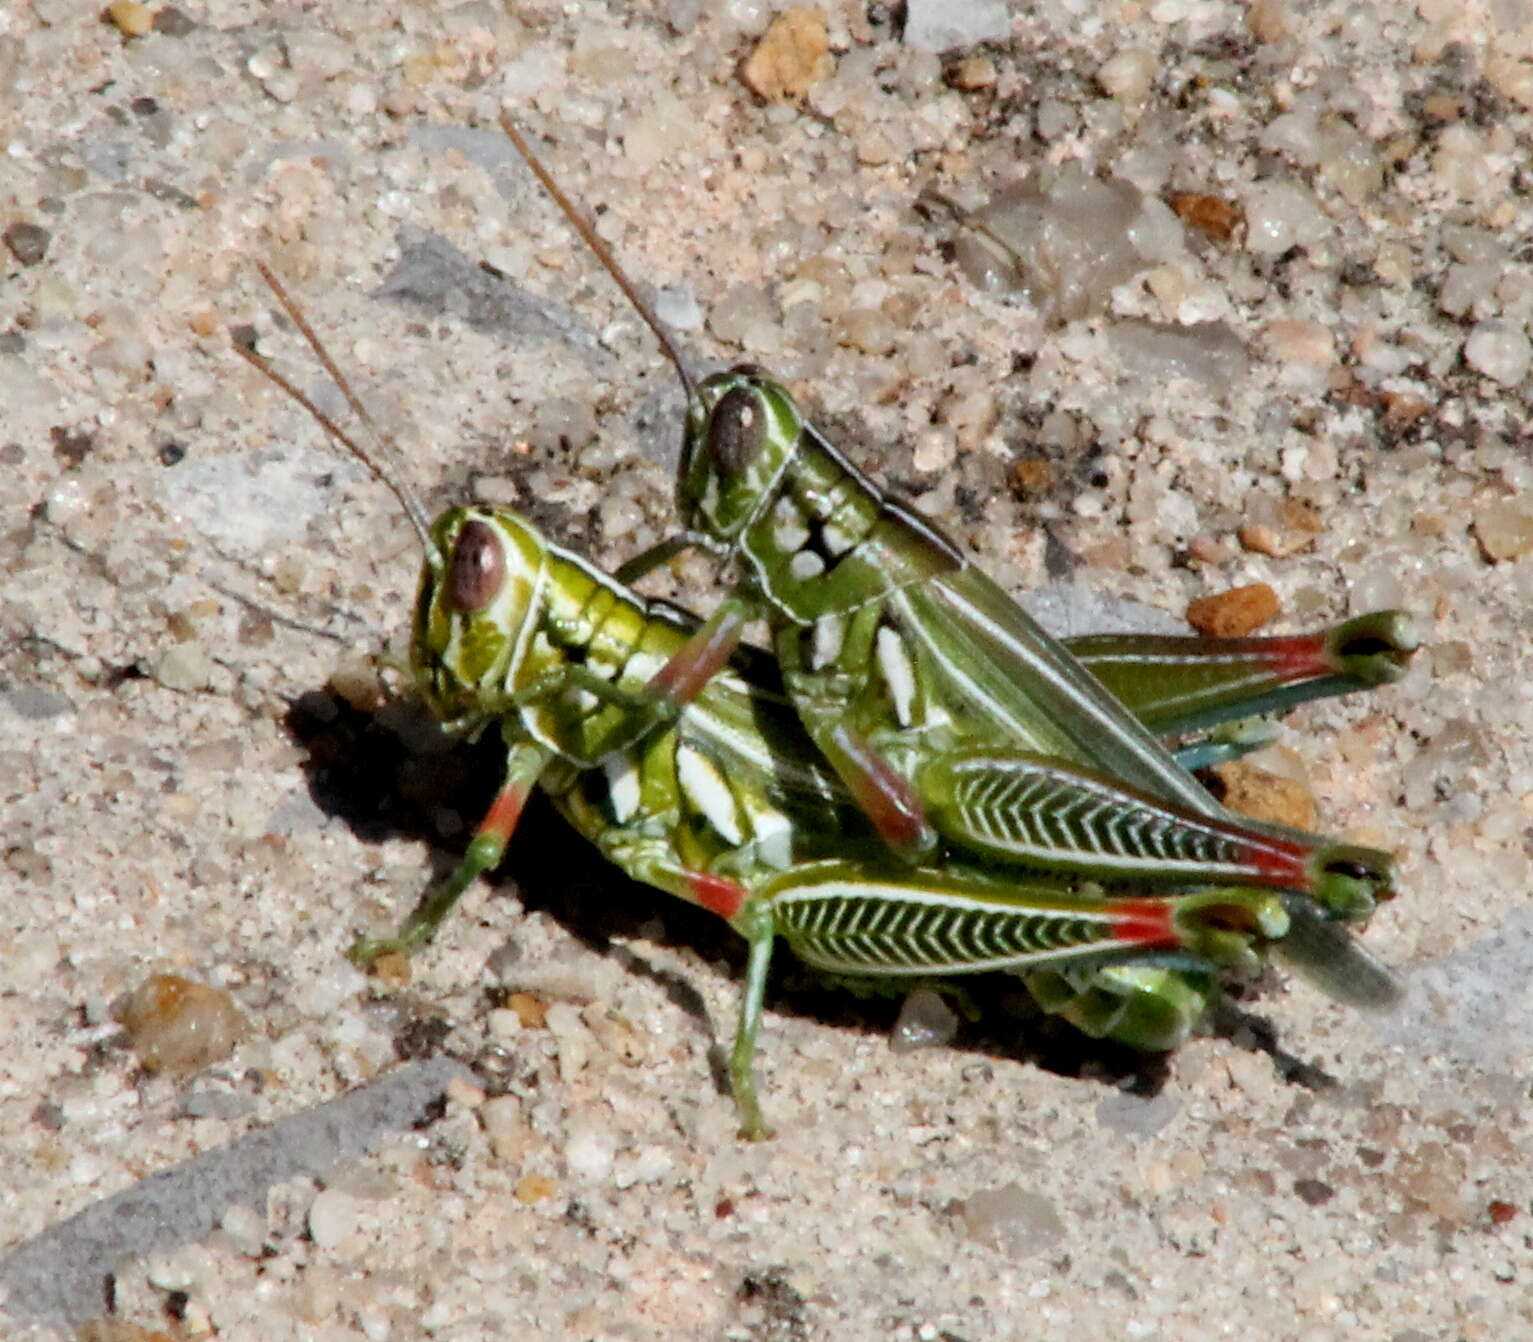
<point>478,589</point>
<point>742,430</point>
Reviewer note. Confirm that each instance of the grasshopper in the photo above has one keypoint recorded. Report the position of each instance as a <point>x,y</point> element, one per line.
<point>730,806</point>
<point>951,716</point>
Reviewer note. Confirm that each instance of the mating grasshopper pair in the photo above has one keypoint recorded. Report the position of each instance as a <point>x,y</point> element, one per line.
<point>956,791</point>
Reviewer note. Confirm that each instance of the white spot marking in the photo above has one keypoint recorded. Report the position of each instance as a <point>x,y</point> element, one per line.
<point>774,840</point>
<point>805,565</point>
<point>622,787</point>
<point>899,673</point>
<point>582,701</point>
<point>829,634</point>
<point>643,665</point>
<point>706,789</point>
<point>837,541</point>
<point>788,529</point>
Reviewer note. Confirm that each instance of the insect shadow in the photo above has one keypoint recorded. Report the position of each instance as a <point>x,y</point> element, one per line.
<point>389,771</point>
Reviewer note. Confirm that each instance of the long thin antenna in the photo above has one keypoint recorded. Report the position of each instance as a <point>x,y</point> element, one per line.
<point>579,223</point>
<point>385,464</point>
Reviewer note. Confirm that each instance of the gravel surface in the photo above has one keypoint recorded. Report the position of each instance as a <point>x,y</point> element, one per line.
<point>1259,313</point>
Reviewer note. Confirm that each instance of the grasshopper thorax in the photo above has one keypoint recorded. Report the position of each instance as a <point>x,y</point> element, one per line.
<point>479,589</point>
<point>743,429</point>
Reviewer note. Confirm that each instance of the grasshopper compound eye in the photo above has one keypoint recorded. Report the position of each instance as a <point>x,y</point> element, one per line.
<point>736,430</point>
<point>477,568</point>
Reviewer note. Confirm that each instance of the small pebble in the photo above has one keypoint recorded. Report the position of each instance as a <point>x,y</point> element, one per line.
<point>1019,1222</point>
<point>1065,238</point>
<point>874,148</point>
<point>677,307</point>
<point>357,681</point>
<point>1510,73</point>
<point>1467,285</point>
<point>1207,352</point>
<point>172,22</point>
<point>793,55</point>
<point>1268,20</point>
<point>574,1039</point>
<point>941,25</point>
<point>589,1150</point>
<point>868,330</point>
<point>532,1188</point>
<point>1401,409</point>
<point>1266,796</point>
<point>332,1218</point>
<point>1137,1115</point>
<point>969,415</point>
<point>1305,342</point>
<point>1127,76</point>
<point>247,1228</point>
<point>1265,539</point>
<point>743,316</point>
<point>1213,216</point>
<point>616,1035</point>
<point>1501,1213</point>
<point>506,1128</point>
<point>218,1104</point>
<point>936,449</point>
<point>28,243</point>
<point>185,667</point>
<point>973,72</point>
<point>1314,1192</point>
<point>531,1011</point>
<point>1032,475</point>
<point>1280,215</point>
<point>925,1021</point>
<point>504,1025</point>
<point>169,1270</point>
<point>130,18</point>
<point>648,1166</point>
<point>37,704</point>
<point>176,1025</point>
<point>1235,613</point>
<point>462,1091</point>
<point>1499,350</point>
<point>1505,528</point>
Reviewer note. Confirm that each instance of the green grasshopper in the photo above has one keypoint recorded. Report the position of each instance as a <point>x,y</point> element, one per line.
<point>730,806</point>
<point>951,716</point>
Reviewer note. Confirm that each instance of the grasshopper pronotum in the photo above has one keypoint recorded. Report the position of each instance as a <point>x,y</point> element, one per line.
<point>729,804</point>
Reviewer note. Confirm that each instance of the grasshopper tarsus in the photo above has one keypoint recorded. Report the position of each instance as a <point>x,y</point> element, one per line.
<point>365,952</point>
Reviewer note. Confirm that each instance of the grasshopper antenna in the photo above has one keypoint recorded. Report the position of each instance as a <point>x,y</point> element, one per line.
<point>603,254</point>
<point>384,462</point>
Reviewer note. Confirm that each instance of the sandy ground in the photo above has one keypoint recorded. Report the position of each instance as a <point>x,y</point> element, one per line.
<point>187,566</point>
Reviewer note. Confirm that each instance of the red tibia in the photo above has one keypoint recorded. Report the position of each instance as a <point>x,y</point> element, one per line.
<point>1280,862</point>
<point>500,820</point>
<point>1145,922</point>
<point>1293,659</point>
<point>883,795</point>
<point>895,813</point>
<point>715,894</point>
<point>682,678</point>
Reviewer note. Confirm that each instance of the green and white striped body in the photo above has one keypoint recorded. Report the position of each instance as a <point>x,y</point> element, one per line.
<point>730,805</point>
<point>971,740</point>
<point>948,711</point>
